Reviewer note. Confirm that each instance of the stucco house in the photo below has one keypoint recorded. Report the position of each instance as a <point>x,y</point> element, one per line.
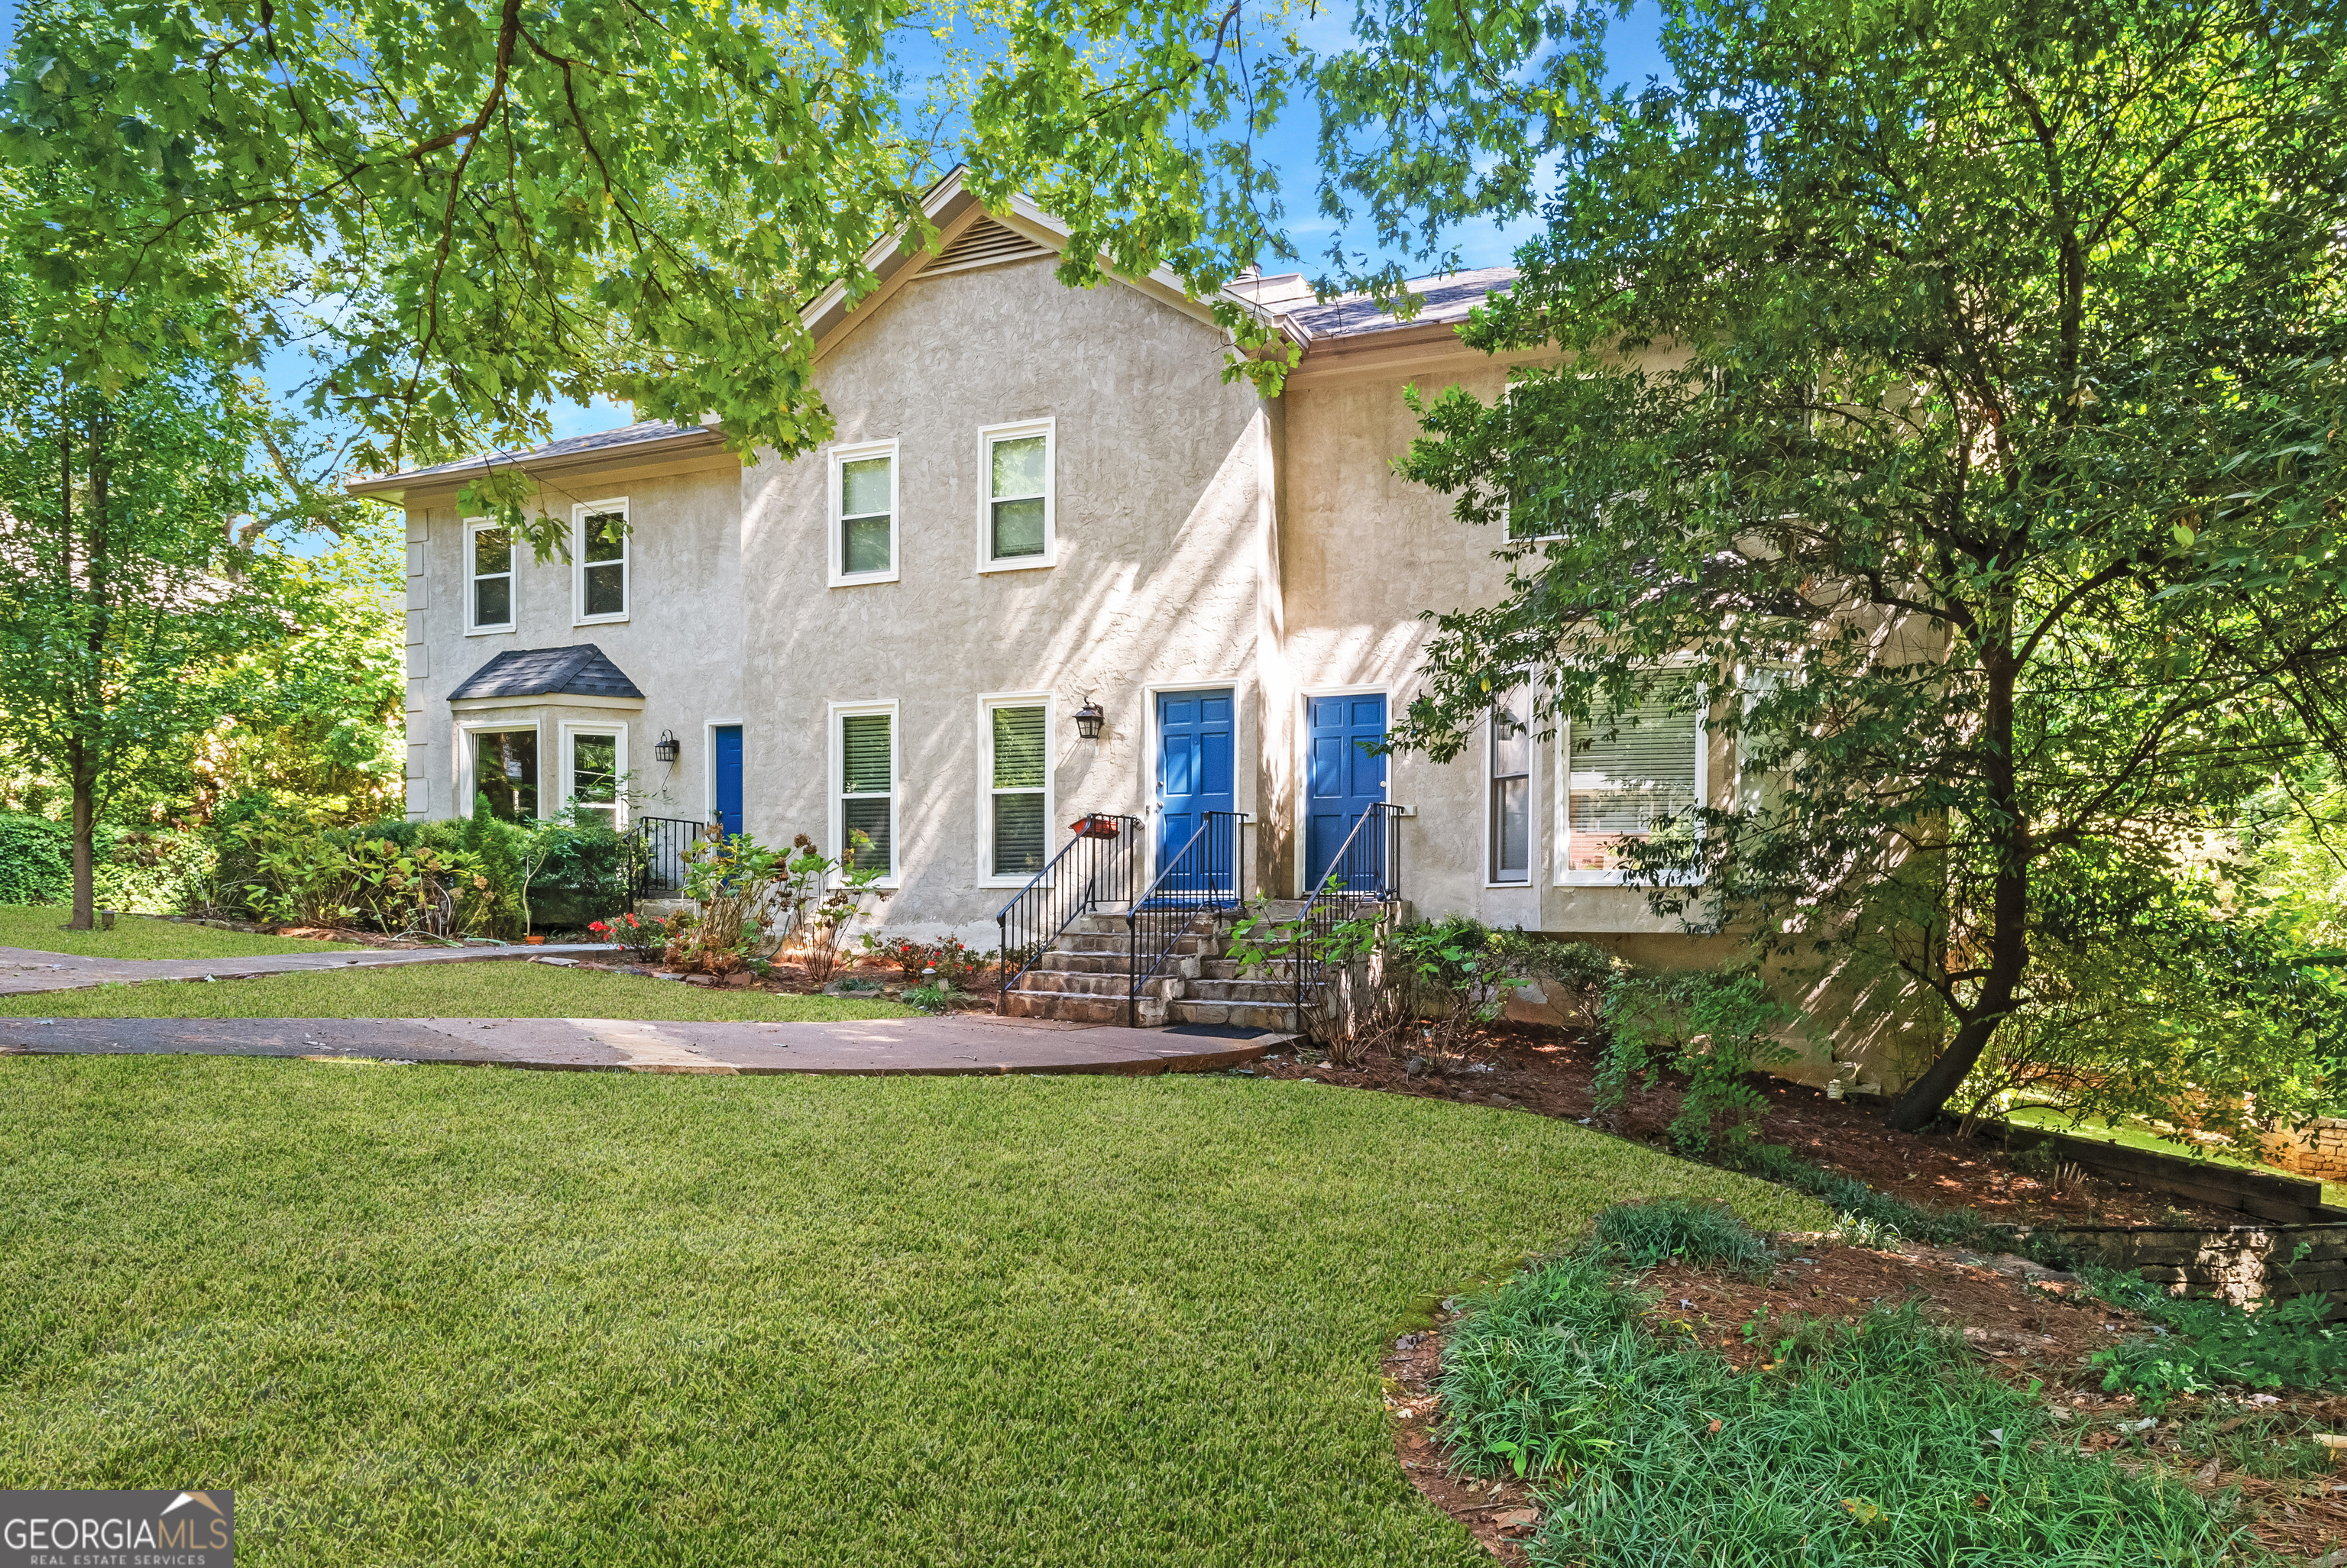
<point>1039,501</point>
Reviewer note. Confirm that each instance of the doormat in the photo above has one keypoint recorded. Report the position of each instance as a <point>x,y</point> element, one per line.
<point>1218,1031</point>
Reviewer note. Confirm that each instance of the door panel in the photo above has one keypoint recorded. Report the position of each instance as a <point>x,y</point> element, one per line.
<point>1341,779</point>
<point>729,778</point>
<point>1195,763</point>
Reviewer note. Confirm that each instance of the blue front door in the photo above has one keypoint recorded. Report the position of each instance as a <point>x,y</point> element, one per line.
<point>1342,779</point>
<point>729,778</point>
<point>1194,742</point>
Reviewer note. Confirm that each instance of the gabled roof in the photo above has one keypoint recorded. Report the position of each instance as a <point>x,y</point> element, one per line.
<point>580,670</point>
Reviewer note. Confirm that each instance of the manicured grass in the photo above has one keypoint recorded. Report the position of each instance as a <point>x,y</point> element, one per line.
<point>432,1315</point>
<point>491,988</point>
<point>42,926</point>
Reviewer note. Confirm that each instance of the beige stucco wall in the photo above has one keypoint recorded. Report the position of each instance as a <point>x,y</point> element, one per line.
<point>679,644</point>
<point>1163,511</point>
<point>1364,554</point>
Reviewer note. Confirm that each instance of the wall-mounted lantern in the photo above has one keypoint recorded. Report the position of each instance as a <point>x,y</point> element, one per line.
<point>666,750</point>
<point>1088,720</point>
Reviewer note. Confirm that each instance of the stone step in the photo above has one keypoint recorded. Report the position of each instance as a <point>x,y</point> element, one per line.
<point>1149,1014</point>
<point>1247,1015</point>
<point>1272,991</point>
<point>1076,942</point>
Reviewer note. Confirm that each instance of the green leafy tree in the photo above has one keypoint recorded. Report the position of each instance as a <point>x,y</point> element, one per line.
<point>123,600</point>
<point>1945,396</point>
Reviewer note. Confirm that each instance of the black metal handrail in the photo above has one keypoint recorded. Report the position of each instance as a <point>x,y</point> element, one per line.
<point>659,860</point>
<point>1365,872</point>
<point>1092,868</point>
<point>1201,878</point>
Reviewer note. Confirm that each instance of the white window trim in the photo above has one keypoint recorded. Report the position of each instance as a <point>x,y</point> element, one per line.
<point>466,746</point>
<point>1532,803</point>
<point>987,436</point>
<point>1567,876</point>
<point>474,525</point>
<point>836,774</point>
<point>627,562</point>
<point>1303,734</point>
<point>563,762</point>
<point>987,703</point>
<point>837,497</point>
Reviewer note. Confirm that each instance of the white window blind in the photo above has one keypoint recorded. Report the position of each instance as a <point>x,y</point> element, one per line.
<point>1021,835</point>
<point>867,782</point>
<point>1622,783</point>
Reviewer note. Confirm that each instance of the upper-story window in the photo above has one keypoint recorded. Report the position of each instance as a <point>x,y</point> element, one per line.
<point>599,557</point>
<point>1016,525</point>
<point>489,578</point>
<point>864,514</point>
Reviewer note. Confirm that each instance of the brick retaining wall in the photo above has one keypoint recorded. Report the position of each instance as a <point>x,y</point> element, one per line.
<point>2319,1151</point>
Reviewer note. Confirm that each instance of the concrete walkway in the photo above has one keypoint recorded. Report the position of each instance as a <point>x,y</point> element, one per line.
<point>25,970</point>
<point>957,1043</point>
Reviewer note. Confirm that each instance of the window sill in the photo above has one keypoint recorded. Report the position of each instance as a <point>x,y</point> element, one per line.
<point>1043,563</point>
<point>1010,885</point>
<point>1506,887</point>
<point>490,632</point>
<point>865,579</point>
<point>599,620</point>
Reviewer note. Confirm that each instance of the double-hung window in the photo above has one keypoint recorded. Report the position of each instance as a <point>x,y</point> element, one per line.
<point>864,514</point>
<point>1624,777</point>
<point>489,578</point>
<point>594,761</point>
<point>598,555</point>
<point>1018,796</point>
<point>1510,808</point>
<point>864,754</point>
<point>1017,528</point>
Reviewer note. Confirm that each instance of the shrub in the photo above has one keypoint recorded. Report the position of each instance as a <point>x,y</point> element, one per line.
<point>35,860</point>
<point>578,870</point>
<point>1876,1441</point>
<point>752,903</point>
<point>1643,1234</point>
<point>2206,1343</point>
<point>1716,1026</point>
<point>1587,973</point>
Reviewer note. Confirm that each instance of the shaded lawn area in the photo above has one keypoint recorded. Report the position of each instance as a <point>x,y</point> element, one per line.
<point>489,988</point>
<point>42,926</point>
<point>415,1314</point>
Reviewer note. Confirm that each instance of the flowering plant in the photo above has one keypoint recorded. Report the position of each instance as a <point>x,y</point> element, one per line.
<point>641,938</point>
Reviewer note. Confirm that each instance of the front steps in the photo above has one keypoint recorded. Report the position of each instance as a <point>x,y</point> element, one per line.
<point>1083,979</point>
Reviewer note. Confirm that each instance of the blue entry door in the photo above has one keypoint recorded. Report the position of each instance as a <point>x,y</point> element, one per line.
<point>1341,779</point>
<point>1194,743</point>
<point>729,778</point>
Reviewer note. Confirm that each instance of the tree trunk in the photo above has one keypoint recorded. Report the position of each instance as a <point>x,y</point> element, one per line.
<point>2008,936</point>
<point>85,843</point>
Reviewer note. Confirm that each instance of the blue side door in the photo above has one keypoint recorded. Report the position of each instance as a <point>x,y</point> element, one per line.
<point>1342,779</point>
<point>1195,749</point>
<point>729,778</point>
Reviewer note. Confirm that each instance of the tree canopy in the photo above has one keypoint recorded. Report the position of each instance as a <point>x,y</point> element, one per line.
<point>1945,397</point>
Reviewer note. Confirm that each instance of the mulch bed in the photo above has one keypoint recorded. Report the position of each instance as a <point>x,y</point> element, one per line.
<point>2027,1323</point>
<point>1550,1073</point>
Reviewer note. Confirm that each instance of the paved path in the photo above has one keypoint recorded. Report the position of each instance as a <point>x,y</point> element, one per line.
<point>24,970</point>
<point>960,1043</point>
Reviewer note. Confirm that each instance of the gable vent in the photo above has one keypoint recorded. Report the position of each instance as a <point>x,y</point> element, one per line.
<point>984,243</point>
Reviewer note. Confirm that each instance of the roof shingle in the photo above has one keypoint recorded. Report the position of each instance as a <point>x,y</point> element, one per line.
<point>580,670</point>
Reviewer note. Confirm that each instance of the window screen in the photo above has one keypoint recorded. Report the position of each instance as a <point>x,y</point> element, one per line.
<point>491,577</point>
<point>1020,831</point>
<point>864,516</point>
<point>504,773</point>
<point>603,575</point>
<point>1511,792</point>
<point>866,810</point>
<point>1622,783</point>
<point>1018,478</point>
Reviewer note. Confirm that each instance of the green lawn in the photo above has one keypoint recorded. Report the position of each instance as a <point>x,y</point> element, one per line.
<point>42,926</point>
<point>417,1315</point>
<point>493,988</point>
